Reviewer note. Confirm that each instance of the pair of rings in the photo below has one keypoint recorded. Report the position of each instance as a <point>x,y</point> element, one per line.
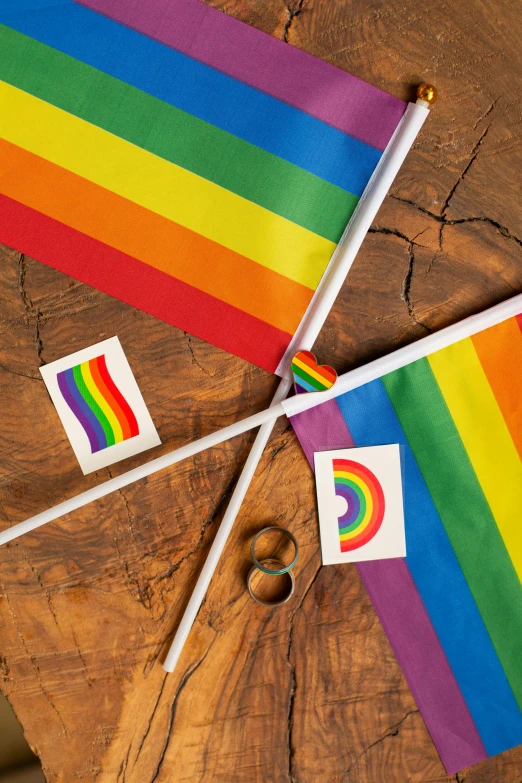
<point>272,566</point>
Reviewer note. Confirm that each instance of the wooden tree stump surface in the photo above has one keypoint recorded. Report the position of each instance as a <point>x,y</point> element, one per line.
<point>312,691</point>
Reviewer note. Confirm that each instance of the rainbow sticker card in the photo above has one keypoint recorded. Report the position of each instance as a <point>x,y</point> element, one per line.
<point>359,496</point>
<point>100,405</point>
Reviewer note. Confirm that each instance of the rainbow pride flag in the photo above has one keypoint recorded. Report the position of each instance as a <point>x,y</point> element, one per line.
<point>181,161</point>
<point>98,404</point>
<point>452,608</point>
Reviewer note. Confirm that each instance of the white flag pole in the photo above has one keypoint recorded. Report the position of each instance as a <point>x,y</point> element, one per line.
<point>312,322</point>
<point>304,338</point>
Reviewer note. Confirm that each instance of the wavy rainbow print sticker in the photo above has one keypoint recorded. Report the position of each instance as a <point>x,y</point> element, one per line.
<point>97,403</point>
<point>365,498</point>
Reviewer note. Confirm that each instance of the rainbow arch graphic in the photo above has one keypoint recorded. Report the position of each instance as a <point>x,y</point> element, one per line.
<point>363,493</point>
<point>97,403</point>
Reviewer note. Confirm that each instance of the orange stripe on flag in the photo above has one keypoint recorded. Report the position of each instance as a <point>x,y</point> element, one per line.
<point>111,400</point>
<point>500,353</point>
<point>151,238</point>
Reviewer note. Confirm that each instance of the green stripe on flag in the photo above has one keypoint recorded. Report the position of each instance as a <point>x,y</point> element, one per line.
<point>174,135</point>
<point>93,405</point>
<point>463,509</point>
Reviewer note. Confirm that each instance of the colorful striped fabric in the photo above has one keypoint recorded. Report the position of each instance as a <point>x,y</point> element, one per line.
<point>453,608</point>
<point>181,161</point>
<point>97,403</point>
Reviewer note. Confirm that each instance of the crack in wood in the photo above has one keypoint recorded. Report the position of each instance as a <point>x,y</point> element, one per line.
<point>390,231</point>
<point>486,113</point>
<point>38,338</point>
<point>444,221</point>
<point>406,286</point>
<point>4,668</point>
<point>20,374</point>
<point>80,656</point>
<point>195,360</point>
<point>123,766</point>
<point>293,682</point>
<point>473,158</point>
<point>45,591</point>
<point>183,682</point>
<point>143,594</point>
<point>26,301</point>
<point>149,722</point>
<point>407,280</point>
<point>30,311</point>
<point>291,15</point>
<point>392,731</point>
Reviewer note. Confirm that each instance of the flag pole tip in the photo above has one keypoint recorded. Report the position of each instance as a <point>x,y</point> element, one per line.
<point>427,93</point>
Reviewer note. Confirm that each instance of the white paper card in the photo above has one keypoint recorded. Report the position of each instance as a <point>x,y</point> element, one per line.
<point>100,405</point>
<point>359,495</point>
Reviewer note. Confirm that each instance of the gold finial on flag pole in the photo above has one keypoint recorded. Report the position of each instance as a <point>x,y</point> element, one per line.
<point>427,93</point>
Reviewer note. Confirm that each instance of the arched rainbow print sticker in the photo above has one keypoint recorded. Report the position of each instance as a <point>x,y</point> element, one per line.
<point>359,499</point>
<point>100,405</point>
<point>365,503</point>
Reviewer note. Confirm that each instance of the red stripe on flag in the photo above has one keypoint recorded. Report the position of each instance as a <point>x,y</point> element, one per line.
<point>123,408</point>
<point>140,285</point>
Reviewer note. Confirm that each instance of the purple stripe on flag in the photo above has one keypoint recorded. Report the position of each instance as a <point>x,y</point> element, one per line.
<point>421,657</point>
<point>321,429</point>
<point>266,63</point>
<point>404,618</point>
<point>68,389</point>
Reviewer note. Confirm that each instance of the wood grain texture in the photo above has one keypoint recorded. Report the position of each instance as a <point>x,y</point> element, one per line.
<point>311,691</point>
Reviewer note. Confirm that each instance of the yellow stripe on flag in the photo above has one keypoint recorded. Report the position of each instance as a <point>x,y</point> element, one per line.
<point>102,402</point>
<point>163,187</point>
<point>485,436</point>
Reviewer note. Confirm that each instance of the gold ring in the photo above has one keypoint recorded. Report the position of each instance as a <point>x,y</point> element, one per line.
<point>288,574</point>
<point>282,567</point>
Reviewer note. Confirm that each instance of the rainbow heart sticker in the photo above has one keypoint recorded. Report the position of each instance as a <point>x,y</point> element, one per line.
<point>310,376</point>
